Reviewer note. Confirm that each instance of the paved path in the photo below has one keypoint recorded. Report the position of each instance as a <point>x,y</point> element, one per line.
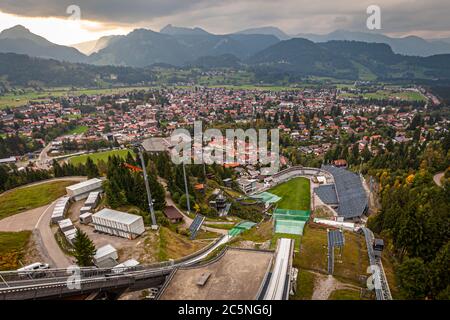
<point>437,178</point>
<point>49,245</point>
<point>43,160</point>
<point>38,220</point>
<point>22,221</point>
<point>325,284</point>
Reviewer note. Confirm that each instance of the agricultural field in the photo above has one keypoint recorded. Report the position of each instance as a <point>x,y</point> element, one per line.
<point>27,198</point>
<point>22,97</point>
<point>12,249</point>
<point>295,194</point>
<point>388,94</point>
<point>96,157</point>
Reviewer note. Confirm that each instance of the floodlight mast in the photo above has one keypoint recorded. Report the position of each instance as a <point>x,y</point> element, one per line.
<point>147,187</point>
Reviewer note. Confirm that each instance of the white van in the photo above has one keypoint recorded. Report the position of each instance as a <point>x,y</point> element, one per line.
<point>30,269</point>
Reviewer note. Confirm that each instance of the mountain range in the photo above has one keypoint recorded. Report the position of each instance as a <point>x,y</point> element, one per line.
<point>180,46</point>
<point>410,46</point>
<point>268,57</point>
<point>20,40</point>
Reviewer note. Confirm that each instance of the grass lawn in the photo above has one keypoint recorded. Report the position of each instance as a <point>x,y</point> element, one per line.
<point>12,248</point>
<point>32,197</point>
<point>313,255</point>
<point>345,294</point>
<point>174,246</point>
<point>295,194</point>
<point>313,250</point>
<point>99,156</point>
<point>260,233</point>
<point>79,130</point>
<point>305,285</point>
<point>222,226</point>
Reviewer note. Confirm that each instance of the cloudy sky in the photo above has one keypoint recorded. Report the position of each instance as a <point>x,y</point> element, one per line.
<point>49,18</point>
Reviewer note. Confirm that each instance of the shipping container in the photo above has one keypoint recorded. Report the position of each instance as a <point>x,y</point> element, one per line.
<point>83,189</point>
<point>118,223</point>
<point>104,253</point>
<point>92,199</point>
<point>65,225</point>
<point>60,209</point>
<point>84,210</point>
<point>86,218</point>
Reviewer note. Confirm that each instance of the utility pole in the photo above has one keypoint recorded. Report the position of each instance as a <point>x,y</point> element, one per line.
<point>147,187</point>
<point>187,190</point>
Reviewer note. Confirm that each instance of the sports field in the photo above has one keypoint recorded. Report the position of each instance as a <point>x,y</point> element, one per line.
<point>99,156</point>
<point>295,194</point>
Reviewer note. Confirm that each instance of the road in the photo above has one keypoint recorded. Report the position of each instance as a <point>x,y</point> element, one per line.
<point>437,178</point>
<point>38,220</point>
<point>43,160</point>
<point>49,245</point>
<point>22,221</point>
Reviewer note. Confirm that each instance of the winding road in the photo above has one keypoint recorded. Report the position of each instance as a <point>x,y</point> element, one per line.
<point>38,221</point>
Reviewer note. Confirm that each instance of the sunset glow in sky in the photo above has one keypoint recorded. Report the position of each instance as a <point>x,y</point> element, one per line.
<point>61,30</point>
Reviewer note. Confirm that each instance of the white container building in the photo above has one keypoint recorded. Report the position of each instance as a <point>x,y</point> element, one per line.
<point>86,218</point>
<point>125,265</point>
<point>84,210</point>
<point>83,189</point>
<point>118,223</point>
<point>92,199</point>
<point>60,209</point>
<point>70,235</point>
<point>65,225</point>
<point>107,252</point>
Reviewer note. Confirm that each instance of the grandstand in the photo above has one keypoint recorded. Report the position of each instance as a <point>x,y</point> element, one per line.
<point>346,195</point>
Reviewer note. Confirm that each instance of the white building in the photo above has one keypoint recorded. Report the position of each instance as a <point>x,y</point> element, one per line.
<point>65,225</point>
<point>60,209</point>
<point>106,255</point>
<point>118,223</point>
<point>92,199</point>
<point>86,218</point>
<point>247,185</point>
<point>83,189</point>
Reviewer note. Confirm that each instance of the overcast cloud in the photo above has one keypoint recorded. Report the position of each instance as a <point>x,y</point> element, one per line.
<point>224,16</point>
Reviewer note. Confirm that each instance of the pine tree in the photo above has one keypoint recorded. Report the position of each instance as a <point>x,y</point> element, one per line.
<point>57,170</point>
<point>158,192</point>
<point>84,249</point>
<point>114,195</point>
<point>91,169</point>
